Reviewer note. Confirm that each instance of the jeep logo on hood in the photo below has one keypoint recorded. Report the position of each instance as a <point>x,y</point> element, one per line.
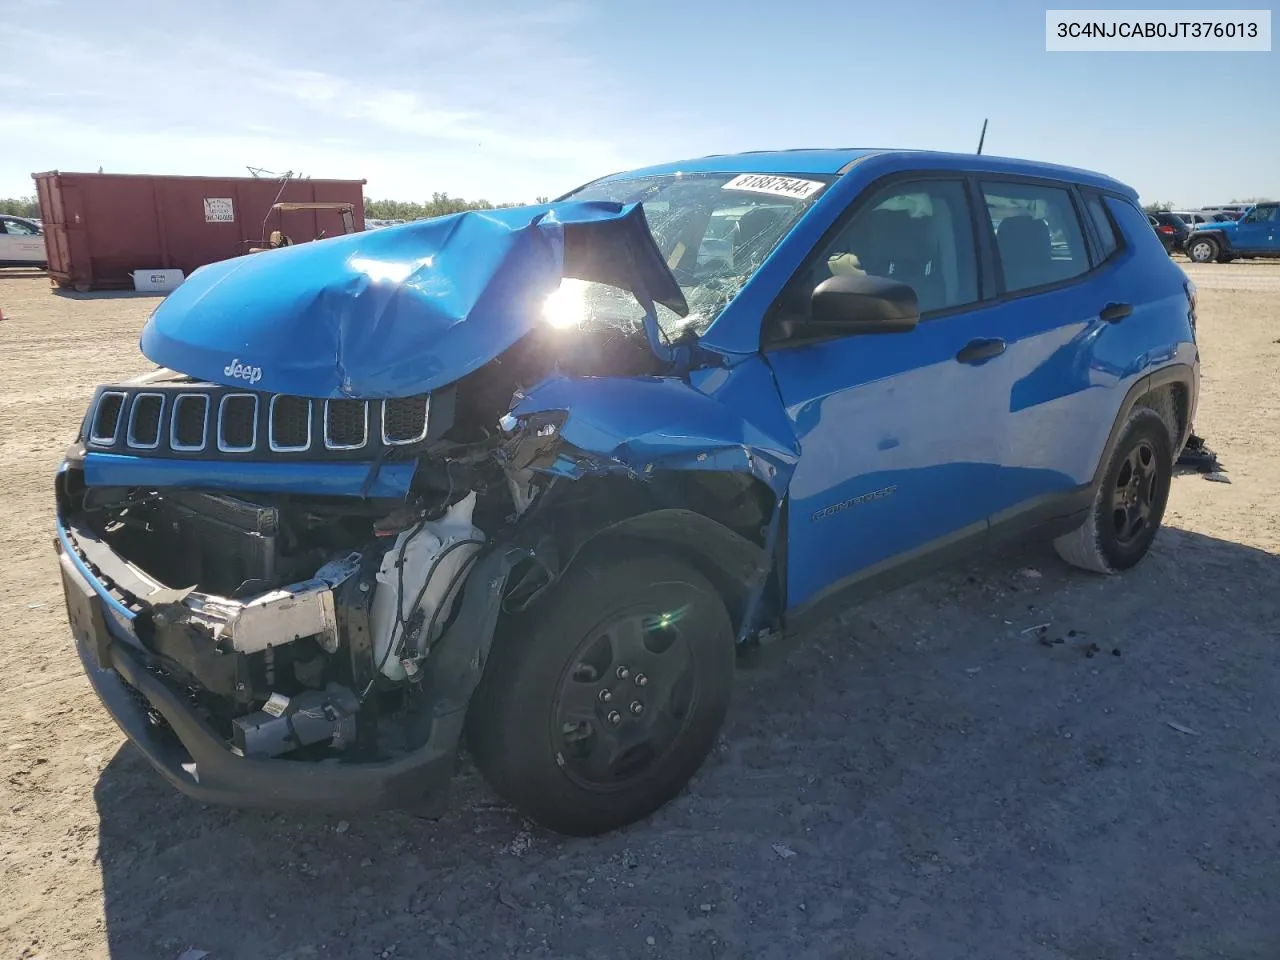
<point>242,372</point>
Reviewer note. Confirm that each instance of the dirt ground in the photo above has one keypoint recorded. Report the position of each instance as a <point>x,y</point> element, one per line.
<point>923,779</point>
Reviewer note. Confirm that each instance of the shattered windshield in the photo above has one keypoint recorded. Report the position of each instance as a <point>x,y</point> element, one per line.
<point>714,230</point>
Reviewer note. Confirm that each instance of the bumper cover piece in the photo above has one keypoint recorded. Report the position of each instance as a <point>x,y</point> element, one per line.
<point>188,753</point>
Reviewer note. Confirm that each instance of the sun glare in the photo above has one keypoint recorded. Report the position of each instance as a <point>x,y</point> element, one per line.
<point>566,308</point>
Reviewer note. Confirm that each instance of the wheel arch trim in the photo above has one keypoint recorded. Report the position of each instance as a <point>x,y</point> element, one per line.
<point>1182,374</point>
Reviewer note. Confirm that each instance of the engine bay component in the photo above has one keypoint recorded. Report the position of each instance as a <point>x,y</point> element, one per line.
<point>278,616</point>
<point>288,723</point>
<point>417,584</point>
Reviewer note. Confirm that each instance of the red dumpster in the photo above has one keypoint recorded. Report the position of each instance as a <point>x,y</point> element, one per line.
<point>100,227</point>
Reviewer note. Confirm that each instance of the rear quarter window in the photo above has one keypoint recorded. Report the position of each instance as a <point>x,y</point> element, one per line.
<point>1132,223</point>
<point>1107,239</point>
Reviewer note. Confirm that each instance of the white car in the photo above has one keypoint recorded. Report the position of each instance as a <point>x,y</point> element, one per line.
<point>21,242</point>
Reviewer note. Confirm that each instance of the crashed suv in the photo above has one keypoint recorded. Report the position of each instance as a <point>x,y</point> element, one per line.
<point>529,479</point>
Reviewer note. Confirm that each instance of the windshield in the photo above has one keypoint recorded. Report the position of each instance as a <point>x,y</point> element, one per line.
<point>714,230</point>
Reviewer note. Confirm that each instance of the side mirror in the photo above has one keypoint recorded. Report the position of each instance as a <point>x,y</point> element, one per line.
<point>864,304</point>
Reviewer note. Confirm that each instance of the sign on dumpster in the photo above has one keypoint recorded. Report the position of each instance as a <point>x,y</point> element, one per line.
<point>218,210</point>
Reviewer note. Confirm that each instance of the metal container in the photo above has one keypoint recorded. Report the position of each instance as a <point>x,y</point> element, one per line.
<point>101,227</point>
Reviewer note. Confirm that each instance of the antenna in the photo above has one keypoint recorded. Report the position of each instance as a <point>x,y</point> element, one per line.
<point>983,135</point>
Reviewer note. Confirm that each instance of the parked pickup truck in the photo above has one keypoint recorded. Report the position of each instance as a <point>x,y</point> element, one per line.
<point>1256,234</point>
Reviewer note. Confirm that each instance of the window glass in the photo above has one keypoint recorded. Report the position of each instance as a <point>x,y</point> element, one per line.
<point>714,231</point>
<point>1102,224</point>
<point>1262,214</point>
<point>17,228</point>
<point>1038,236</point>
<point>920,234</point>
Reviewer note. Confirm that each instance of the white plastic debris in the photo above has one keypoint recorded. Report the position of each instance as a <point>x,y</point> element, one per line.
<point>424,553</point>
<point>782,850</point>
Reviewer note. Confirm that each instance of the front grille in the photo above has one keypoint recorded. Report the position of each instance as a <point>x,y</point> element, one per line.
<point>106,419</point>
<point>196,418</point>
<point>346,424</point>
<point>144,421</point>
<point>238,423</point>
<point>290,423</point>
<point>190,430</point>
<point>404,420</point>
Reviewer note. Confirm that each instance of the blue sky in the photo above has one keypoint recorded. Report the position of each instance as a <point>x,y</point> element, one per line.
<point>506,100</point>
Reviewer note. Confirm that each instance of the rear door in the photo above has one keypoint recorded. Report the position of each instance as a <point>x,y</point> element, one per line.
<point>1059,380</point>
<point>900,433</point>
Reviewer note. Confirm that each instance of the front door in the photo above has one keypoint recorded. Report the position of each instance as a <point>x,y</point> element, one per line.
<point>20,242</point>
<point>900,433</point>
<point>1257,230</point>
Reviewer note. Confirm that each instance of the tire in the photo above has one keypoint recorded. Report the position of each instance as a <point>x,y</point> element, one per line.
<point>648,629</point>
<point>1135,485</point>
<point>1202,249</point>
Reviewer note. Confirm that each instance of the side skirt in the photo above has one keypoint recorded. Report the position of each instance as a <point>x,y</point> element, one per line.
<point>1036,520</point>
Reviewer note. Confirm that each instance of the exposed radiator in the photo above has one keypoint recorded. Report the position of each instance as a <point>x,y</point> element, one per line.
<point>211,540</point>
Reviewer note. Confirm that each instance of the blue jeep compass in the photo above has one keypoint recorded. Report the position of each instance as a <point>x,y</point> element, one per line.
<point>530,477</point>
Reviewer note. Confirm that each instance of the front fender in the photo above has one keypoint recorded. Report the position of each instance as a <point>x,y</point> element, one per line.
<point>1222,237</point>
<point>645,424</point>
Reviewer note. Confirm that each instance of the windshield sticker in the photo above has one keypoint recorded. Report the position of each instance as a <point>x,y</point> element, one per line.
<point>777,186</point>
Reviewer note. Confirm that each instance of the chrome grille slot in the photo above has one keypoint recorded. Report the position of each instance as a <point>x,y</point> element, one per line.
<point>104,429</point>
<point>404,420</point>
<point>346,424</point>
<point>144,421</point>
<point>182,419</point>
<point>289,425</point>
<point>238,422</point>
<point>189,426</point>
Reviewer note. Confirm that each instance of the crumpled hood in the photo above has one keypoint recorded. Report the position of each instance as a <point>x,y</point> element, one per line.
<point>401,310</point>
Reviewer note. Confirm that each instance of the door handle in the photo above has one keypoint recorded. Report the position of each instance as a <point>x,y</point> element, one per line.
<point>979,351</point>
<point>1115,312</point>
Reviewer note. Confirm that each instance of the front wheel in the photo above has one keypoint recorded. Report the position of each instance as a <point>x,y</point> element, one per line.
<point>601,702</point>
<point>1129,505</point>
<point>1202,250</point>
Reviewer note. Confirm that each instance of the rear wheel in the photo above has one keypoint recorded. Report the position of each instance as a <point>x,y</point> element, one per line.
<point>1202,249</point>
<point>598,706</point>
<point>1130,501</point>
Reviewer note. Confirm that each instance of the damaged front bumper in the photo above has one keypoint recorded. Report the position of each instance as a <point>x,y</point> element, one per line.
<point>107,619</point>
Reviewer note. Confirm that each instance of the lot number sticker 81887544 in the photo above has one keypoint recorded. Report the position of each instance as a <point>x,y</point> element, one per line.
<point>792,187</point>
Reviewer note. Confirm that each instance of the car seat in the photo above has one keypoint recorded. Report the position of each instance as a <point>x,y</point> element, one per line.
<point>1026,252</point>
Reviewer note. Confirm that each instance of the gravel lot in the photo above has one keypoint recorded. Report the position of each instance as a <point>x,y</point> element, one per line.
<point>921,779</point>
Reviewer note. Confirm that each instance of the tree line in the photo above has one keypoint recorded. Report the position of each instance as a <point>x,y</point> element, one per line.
<point>440,204</point>
<point>20,207</point>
